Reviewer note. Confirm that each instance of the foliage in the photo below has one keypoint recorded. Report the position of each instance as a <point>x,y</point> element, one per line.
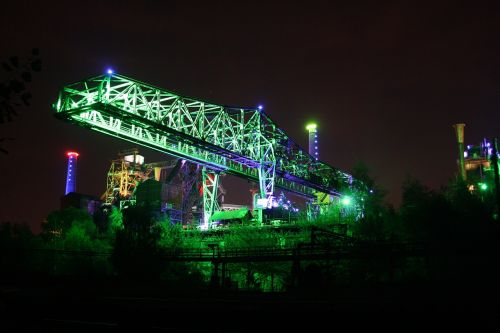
<point>456,226</point>
<point>142,243</point>
<point>15,235</point>
<point>115,224</point>
<point>170,235</point>
<point>14,93</point>
<point>74,230</point>
<point>250,237</point>
<point>59,222</point>
<point>16,240</point>
<point>452,214</point>
<point>379,221</point>
<point>136,254</point>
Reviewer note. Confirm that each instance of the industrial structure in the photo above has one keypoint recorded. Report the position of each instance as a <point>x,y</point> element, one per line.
<point>124,175</point>
<point>171,186</point>
<point>477,164</point>
<point>219,140</point>
<point>71,172</point>
<point>71,197</point>
<point>313,140</point>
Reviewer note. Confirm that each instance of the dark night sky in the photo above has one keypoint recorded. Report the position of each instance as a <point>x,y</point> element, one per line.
<point>385,81</point>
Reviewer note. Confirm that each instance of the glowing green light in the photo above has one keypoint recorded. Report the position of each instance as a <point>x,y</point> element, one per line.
<point>311,127</point>
<point>346,201</point>
<point>483,186</point>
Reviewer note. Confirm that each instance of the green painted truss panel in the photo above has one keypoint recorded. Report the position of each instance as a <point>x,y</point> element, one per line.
<point>241,141</point>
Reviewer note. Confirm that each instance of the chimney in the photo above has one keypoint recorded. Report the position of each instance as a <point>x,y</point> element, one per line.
<point>459,131</point>
<point>313,140</point>
<point>71,173</point>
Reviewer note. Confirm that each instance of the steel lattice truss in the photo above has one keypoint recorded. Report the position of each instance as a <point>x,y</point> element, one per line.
<point>239,141</point>
<point>123,178</point>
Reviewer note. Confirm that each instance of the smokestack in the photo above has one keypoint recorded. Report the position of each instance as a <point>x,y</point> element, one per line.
<point>459,131</point>
<point>313,140</point>
<point>71,173</point>
<point>494,160</point>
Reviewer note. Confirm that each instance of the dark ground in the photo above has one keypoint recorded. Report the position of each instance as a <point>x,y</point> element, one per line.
<point>107,306</point>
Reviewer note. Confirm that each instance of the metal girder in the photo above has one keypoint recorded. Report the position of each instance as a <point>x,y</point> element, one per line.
<point>267,173</point>
<point>239,141</point>
<point>190,187</point>
<point>210,180</point>
<point>122,180</point>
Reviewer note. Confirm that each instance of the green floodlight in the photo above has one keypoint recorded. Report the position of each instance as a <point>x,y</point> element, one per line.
<point>346,201</point>
<point>483,186</point>
<point>311,126</point>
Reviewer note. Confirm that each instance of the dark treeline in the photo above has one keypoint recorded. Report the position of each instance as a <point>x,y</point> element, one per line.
<point>457,230</point>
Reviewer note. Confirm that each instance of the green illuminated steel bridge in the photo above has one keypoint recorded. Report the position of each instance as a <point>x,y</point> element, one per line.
<point>240,141</point>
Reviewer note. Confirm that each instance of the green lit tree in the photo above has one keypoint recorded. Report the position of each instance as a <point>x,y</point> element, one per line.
<point>59,222</point>
<point>115,222</point>
<point>74,243</point>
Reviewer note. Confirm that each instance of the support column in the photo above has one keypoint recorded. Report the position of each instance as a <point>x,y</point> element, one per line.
<point>313,210</point>
<point>267,173</point>
<point>309,211</point>
<point>210,205</point>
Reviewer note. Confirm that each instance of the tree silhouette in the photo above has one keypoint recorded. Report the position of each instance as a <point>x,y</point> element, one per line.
<point>136,254</point>
<point>378,220</point>
<point>14,90</point>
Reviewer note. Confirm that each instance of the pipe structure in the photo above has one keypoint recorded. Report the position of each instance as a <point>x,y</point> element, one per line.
<point>459,131</point>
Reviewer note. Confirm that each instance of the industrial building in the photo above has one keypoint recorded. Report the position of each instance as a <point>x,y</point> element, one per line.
<point>477,164</point>
<point>208,141</point>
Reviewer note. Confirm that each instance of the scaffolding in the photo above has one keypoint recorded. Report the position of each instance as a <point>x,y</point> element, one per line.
<point>124,175</point>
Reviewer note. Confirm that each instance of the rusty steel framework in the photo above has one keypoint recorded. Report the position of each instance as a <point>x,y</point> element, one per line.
<point>122,180</point>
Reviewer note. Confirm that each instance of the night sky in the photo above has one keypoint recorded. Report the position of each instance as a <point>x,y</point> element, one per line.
<point>385,81</point>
